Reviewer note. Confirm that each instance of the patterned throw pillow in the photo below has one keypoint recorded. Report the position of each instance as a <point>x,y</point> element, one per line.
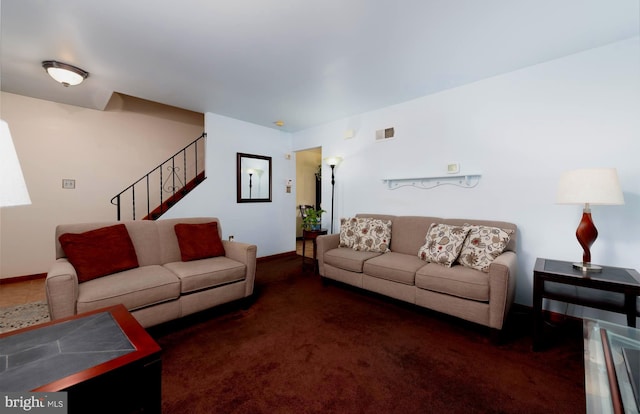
<point>348,231</point>
<point>443,243</point>
<point>373,235</point>
<point>483,245</point>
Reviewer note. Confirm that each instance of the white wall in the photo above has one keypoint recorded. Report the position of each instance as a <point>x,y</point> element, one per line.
<point>104,151</point>
<point>270,226</point>
<point>520,130</point>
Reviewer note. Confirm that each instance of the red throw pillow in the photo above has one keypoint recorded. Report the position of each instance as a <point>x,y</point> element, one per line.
<point>199,241</point>
<point>99,252</point>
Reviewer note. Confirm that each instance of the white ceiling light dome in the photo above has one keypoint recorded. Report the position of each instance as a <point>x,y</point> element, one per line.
<point>66,74</point>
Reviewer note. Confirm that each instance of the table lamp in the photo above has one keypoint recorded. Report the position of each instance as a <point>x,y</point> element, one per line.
<point>594,186</point>
<point>13,190</point>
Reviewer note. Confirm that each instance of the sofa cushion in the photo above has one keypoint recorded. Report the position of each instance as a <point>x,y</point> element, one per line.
<point>443,243</point>
<point>482,245</point>
<point>409,233</point>
<point>457,281</point>
<point>348,259</point>
<point>348,231</point>
<point>206,273</point>
<point>99,252</point>
<point>373,235</point>
<point>396,267</point>
<point>199,241</point>
<point>135,288</point>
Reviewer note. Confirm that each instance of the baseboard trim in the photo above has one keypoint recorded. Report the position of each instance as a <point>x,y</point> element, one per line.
<point>275,256</point>
<point>16,279</point>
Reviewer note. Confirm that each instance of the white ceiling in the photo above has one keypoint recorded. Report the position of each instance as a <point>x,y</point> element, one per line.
<point>304,62</point>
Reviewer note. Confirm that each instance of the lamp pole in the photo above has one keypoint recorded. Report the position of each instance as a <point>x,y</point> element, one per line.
<point>333,189</point>
<point>332,162</point>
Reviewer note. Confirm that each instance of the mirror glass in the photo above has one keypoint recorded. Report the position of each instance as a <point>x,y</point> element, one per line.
<point>253,178</point>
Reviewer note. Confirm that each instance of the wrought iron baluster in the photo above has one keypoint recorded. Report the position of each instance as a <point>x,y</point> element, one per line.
<point>173,175</point>
<point>184,169</point>
<point>161,200</point>
<point>148,197</point>
<point>196,151</point>
<point>118,206</point>
<point>133,201</point>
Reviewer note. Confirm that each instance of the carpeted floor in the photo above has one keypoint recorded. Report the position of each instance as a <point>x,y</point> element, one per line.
<point>307,348</point>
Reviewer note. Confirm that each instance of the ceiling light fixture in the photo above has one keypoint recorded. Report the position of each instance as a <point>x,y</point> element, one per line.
<point>67,75</point>
<point>279,123</point>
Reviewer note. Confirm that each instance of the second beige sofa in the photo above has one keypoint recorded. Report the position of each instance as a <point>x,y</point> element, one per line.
<point>460,291</point>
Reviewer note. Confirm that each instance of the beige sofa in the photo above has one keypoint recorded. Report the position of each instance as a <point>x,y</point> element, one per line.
<point>460,291</point>
<point>163,287</point>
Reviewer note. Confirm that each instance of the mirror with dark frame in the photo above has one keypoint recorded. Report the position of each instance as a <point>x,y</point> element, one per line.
<point>253,178</point>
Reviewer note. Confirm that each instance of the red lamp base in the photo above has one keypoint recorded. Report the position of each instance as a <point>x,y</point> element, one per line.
<point>586,234</point>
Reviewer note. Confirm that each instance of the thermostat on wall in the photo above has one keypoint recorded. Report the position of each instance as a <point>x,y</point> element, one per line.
<point>453,168</point>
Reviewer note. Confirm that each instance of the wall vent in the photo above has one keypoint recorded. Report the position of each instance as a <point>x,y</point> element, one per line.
<point>383,134</point>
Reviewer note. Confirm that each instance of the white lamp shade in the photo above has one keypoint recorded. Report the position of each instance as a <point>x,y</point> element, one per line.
<point>592,186</point>
<point>13,190</point>
<point>333,160</point>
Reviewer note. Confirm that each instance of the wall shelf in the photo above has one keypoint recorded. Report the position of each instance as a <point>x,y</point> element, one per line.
<point>468,180</point>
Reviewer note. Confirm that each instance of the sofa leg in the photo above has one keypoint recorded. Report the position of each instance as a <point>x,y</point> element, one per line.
<point>325,281</point>
<point>497,336</point>
<point>246,302</point>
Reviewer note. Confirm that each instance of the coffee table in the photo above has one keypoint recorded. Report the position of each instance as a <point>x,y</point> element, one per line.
<point>609,384</point>
<point>104,360</point>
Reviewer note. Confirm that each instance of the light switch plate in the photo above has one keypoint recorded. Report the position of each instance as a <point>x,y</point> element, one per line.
<point>453,168</point>
<point>68,184</point>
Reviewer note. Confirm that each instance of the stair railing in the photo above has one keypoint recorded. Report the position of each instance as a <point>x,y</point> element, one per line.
<point>166,190</point>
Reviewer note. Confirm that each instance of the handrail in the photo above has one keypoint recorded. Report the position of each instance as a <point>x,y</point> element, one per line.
<point>164,187</point>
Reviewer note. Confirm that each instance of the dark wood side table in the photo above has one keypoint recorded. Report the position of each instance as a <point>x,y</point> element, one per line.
<point>311,235</point>
<point>558,280</point>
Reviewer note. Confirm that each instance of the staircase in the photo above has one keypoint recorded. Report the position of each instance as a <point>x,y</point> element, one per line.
<point>161,188</point>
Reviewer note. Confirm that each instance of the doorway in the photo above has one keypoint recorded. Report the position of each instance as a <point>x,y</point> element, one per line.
<point>308,185</point>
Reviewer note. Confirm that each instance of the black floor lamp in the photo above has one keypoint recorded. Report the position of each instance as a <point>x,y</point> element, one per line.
<point>332,162</point>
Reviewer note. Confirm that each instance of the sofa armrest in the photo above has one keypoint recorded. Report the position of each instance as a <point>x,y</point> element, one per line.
<point>243,253</point>
<point>325,243</point>
<point>61,287</point>
<point>502,287</point>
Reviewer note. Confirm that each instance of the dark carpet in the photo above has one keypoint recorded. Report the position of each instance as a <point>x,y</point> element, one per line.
<point>307,348</point>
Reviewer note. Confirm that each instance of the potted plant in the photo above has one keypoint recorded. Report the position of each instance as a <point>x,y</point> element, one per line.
<point>312,219</point>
